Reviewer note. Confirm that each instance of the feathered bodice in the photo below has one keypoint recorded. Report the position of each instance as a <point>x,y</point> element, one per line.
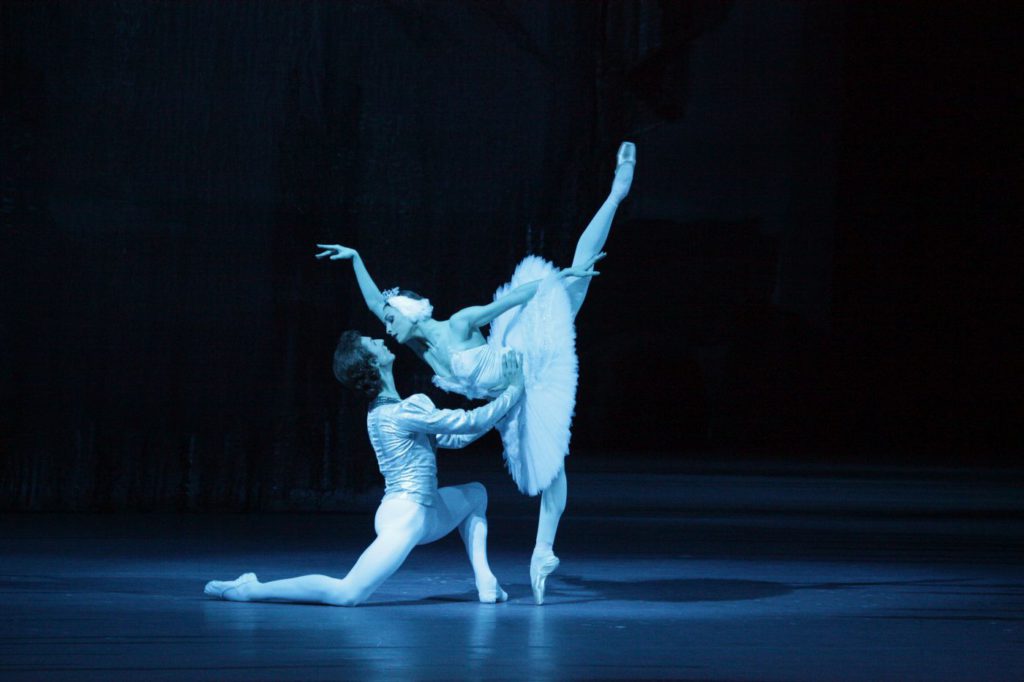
<point>476,372</point>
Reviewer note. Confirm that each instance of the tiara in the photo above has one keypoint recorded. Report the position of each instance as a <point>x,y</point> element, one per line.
<point>390,293</point>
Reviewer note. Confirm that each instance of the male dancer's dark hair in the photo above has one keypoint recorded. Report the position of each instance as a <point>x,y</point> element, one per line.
<point>354,366</point>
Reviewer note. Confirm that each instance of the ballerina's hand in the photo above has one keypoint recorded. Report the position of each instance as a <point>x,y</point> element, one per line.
<point>512,369</point>
<point>336,252</point>
<point>587,270</point>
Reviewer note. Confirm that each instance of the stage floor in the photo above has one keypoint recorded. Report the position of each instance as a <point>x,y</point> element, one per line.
<point>729,574</point>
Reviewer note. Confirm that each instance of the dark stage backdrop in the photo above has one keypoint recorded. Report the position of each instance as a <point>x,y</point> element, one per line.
<point>814,262</point>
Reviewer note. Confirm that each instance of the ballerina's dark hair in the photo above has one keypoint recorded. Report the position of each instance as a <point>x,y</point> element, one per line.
<point>353,366</point>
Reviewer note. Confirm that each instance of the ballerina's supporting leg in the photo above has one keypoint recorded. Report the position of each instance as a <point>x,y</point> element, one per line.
<point>552,504</point>
<point>544,562</point>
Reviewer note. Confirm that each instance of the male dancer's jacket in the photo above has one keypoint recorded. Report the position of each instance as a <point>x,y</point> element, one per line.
<point>405,436</point>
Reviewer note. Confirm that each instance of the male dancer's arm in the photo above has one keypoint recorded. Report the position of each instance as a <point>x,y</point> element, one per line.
<point>458,428</point>
<point>452,441</point>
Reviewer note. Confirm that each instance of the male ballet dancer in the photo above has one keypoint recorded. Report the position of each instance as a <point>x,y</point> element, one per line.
<point>405,435</point>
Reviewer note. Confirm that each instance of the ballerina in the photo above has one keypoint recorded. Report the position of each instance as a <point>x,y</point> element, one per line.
<point>414,511</point>
<point>534,314</point>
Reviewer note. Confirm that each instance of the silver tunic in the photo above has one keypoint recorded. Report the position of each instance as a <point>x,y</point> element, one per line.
<point>406,435</point>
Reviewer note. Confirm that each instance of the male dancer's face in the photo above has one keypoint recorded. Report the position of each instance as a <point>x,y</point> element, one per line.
<point>378,350</point>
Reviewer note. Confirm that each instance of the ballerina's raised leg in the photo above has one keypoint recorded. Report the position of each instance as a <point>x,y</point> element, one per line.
<point>588,250</point>
<point>591,242</point>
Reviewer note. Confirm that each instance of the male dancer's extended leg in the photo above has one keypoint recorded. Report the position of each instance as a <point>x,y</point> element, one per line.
<point>401,525</point>
<point>465,507</point>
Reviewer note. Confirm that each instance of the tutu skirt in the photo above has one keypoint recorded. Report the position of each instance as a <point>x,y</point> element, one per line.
<point>536,431</point>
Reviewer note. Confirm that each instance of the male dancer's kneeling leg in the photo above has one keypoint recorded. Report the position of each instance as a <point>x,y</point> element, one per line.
<point>405,434</point>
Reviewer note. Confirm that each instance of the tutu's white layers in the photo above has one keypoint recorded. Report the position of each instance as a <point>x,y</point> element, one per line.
<point>536,431</point>
<point>536,437</point>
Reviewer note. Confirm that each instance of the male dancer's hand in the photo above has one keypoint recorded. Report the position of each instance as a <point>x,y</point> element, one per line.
<point>512,369</point>
<point>336,252</point>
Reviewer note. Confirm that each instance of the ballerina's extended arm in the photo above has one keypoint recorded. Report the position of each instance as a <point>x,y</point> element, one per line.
<point>474,317</point>
<point>371,293</point>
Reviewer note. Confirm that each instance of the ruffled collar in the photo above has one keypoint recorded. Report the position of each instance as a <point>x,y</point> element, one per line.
<point>381,400</point>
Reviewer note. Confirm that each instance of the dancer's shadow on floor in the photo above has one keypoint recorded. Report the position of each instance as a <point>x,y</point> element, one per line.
<point>570,589</point>
<point>575,589</point>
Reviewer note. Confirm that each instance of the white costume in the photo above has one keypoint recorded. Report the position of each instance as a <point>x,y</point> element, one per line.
<point>536,431</point>
<point>405,436</point>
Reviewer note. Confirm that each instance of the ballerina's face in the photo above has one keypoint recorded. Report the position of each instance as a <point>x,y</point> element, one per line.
<point>378,349</point>
<point>397,324</point>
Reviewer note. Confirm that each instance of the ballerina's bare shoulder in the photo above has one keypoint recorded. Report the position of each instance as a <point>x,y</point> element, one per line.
<point>438,353</point>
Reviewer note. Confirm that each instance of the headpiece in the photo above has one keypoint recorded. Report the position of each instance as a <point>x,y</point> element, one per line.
<point>416,309</point>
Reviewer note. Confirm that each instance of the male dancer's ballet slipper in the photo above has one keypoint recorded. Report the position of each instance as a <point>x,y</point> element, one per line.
<point>223,588</point>
<point>491,595</point>
<point>626,155</point>
<point>541,566</point>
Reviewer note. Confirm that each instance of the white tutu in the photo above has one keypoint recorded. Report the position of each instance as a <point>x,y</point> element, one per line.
<point>536,431</point>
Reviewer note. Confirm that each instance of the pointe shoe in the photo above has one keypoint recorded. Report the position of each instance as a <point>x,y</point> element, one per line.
<point>626,155</point>
<point>541,566</point>
<point>626,160</point>
<point>221,588</point>
<point>492,595</point>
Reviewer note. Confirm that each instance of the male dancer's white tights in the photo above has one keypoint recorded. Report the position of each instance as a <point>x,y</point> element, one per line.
<point>401,524</point>
<point>591,242</point>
